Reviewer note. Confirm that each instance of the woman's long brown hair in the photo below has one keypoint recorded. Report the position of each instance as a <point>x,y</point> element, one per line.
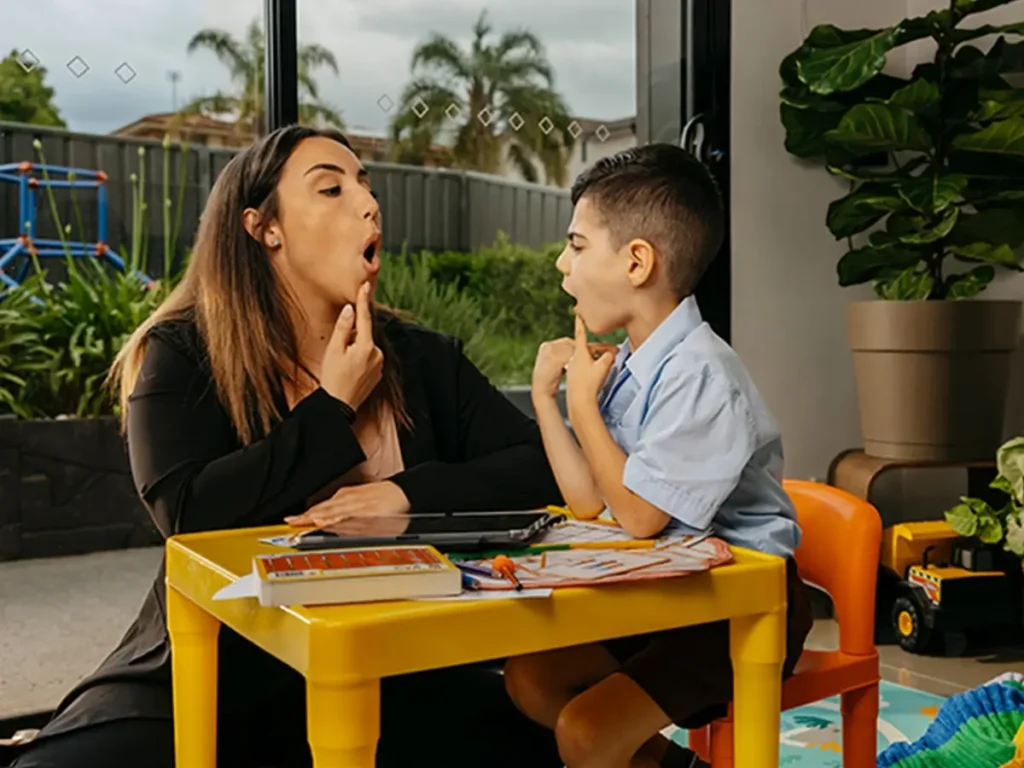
<point>240,309</point>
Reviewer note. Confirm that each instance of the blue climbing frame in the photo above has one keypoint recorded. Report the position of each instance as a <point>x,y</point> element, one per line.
<point>31,178</point>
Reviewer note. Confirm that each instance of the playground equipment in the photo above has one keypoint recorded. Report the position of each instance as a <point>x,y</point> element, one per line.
<point>26,245</point>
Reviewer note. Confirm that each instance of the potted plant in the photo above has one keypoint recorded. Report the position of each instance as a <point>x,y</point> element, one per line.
<point>935,206</point>
<point>974,517</point>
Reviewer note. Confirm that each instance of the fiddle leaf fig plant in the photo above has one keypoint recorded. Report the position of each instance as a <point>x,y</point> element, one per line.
<point>977,518</point>
<point>934,162</point>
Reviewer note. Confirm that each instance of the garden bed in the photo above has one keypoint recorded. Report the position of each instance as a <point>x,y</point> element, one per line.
<point>65,489</point>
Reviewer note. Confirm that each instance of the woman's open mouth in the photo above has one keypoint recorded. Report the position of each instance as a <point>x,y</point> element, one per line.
<point>371,254</point>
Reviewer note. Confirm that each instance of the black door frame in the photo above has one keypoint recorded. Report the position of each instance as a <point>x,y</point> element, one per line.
<point>281,38</point>
<point>683,72</point>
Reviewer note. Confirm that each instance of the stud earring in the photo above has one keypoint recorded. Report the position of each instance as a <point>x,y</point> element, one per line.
<point>275,243</point>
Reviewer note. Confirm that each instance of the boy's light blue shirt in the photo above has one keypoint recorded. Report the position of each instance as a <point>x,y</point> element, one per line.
<point>700,442</point>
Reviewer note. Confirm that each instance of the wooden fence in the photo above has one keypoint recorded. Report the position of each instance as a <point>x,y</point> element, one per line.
<point>424,208</point>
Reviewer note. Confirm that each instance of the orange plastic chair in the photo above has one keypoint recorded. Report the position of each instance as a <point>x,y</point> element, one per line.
<point>839,554</point>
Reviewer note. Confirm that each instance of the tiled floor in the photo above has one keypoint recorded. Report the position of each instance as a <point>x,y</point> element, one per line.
<point>941,676</point>
<point>60,617</point>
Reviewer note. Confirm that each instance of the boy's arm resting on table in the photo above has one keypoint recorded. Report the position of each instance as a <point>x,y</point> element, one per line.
<point>186,464</point>
<point>571,469</point>
<point>499,462</point>
<point>690,457</point>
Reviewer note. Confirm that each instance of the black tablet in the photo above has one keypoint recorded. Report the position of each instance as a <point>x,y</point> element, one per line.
<point>463,532</point>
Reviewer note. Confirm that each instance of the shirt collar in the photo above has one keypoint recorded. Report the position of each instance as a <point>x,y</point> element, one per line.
<point>643,364</point>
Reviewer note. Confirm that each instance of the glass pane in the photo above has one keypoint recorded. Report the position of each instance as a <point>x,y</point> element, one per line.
<point>94,89</point>
<point>474,118</point>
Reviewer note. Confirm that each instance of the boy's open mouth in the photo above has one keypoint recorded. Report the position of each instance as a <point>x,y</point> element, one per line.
<point>370,251</point>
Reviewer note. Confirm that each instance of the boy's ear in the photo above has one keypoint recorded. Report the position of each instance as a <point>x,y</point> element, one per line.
<point>642,260</point>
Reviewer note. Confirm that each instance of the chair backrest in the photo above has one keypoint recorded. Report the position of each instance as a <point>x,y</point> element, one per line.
<point>842,538</point>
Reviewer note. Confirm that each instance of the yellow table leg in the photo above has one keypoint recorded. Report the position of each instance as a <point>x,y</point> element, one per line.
<point>757,645</point>
<point>343,723</point>
<point>193,635</point>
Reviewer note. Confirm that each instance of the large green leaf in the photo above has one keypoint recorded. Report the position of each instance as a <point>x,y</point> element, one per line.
<point>806,130</point>
<point>969,284</point>
<point>1005,137</point>
<point>912,284</point>
<point>962,519</point>
<point>864,264</point>
<point>847,66</point>
<point>996,226</point>
<point>860,209</point>
<point>998,255</point>
<point>930,233</point>
<point>963,35</point>
<point>967,7</point>
<point>1002,58</point>
<point>933,193</point>
<point>922,97</point>
<point>870,128</point>
<point>1010,462</point>
<point>1000,105</point>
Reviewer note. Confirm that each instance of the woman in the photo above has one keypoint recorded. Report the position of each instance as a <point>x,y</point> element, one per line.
<point>267,388</point>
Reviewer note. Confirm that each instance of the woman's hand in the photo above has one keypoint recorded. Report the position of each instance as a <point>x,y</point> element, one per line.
<point>378,499</point>
<point>352,364</point>
<point>552,359</point>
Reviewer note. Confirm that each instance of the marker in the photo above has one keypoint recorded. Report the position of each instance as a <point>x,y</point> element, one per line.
<point>507,568</point>
<point>468,582</point>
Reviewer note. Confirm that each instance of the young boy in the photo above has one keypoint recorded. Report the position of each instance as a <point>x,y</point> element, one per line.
<point>672,436</point>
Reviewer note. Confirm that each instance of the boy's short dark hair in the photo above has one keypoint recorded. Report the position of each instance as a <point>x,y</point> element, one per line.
<point>663,194</point>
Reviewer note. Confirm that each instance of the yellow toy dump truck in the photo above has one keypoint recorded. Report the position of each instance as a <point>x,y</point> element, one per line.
<point>948,586</point>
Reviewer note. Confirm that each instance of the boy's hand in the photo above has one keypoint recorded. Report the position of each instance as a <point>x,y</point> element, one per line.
<point>552,359</point>
<point>584,374</point>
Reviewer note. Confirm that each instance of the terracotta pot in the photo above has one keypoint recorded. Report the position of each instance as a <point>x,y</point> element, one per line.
<point>932,376</point>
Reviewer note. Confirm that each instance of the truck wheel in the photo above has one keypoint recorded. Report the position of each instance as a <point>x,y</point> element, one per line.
<point>908,621</point>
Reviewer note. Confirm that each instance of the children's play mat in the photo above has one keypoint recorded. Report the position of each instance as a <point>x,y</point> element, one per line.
<point>811,736</point>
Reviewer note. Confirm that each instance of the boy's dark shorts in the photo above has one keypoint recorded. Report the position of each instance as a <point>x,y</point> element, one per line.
<point>688,671</point>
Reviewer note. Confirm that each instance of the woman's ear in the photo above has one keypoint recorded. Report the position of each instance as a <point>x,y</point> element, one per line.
<point>270,236</point>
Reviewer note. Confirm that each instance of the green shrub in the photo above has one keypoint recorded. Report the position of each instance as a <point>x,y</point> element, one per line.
<point>519,280</point>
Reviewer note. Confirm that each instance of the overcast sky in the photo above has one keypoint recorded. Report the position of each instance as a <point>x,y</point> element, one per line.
<point>590,43</point>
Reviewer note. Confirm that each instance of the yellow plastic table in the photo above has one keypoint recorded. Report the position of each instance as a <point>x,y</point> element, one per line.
<point>344,651</point>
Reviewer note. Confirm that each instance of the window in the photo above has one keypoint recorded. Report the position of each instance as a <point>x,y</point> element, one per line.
<point>480,155</point>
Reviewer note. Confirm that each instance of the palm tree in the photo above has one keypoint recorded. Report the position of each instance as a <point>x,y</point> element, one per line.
<point>245,61</point>
<point>490,100</point>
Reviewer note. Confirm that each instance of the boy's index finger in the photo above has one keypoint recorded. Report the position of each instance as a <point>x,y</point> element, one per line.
<point>581,336</point>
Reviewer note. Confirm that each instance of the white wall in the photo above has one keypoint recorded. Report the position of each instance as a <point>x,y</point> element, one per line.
<point>789,315</point>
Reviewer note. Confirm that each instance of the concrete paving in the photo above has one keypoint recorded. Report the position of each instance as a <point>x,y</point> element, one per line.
<point>59,617</point>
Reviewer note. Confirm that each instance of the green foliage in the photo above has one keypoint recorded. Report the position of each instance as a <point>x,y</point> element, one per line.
<point>24,96</point>
<point>518,281</point>
<point>935,162</point>
<point>57,342</point>
<point>975,517</point>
